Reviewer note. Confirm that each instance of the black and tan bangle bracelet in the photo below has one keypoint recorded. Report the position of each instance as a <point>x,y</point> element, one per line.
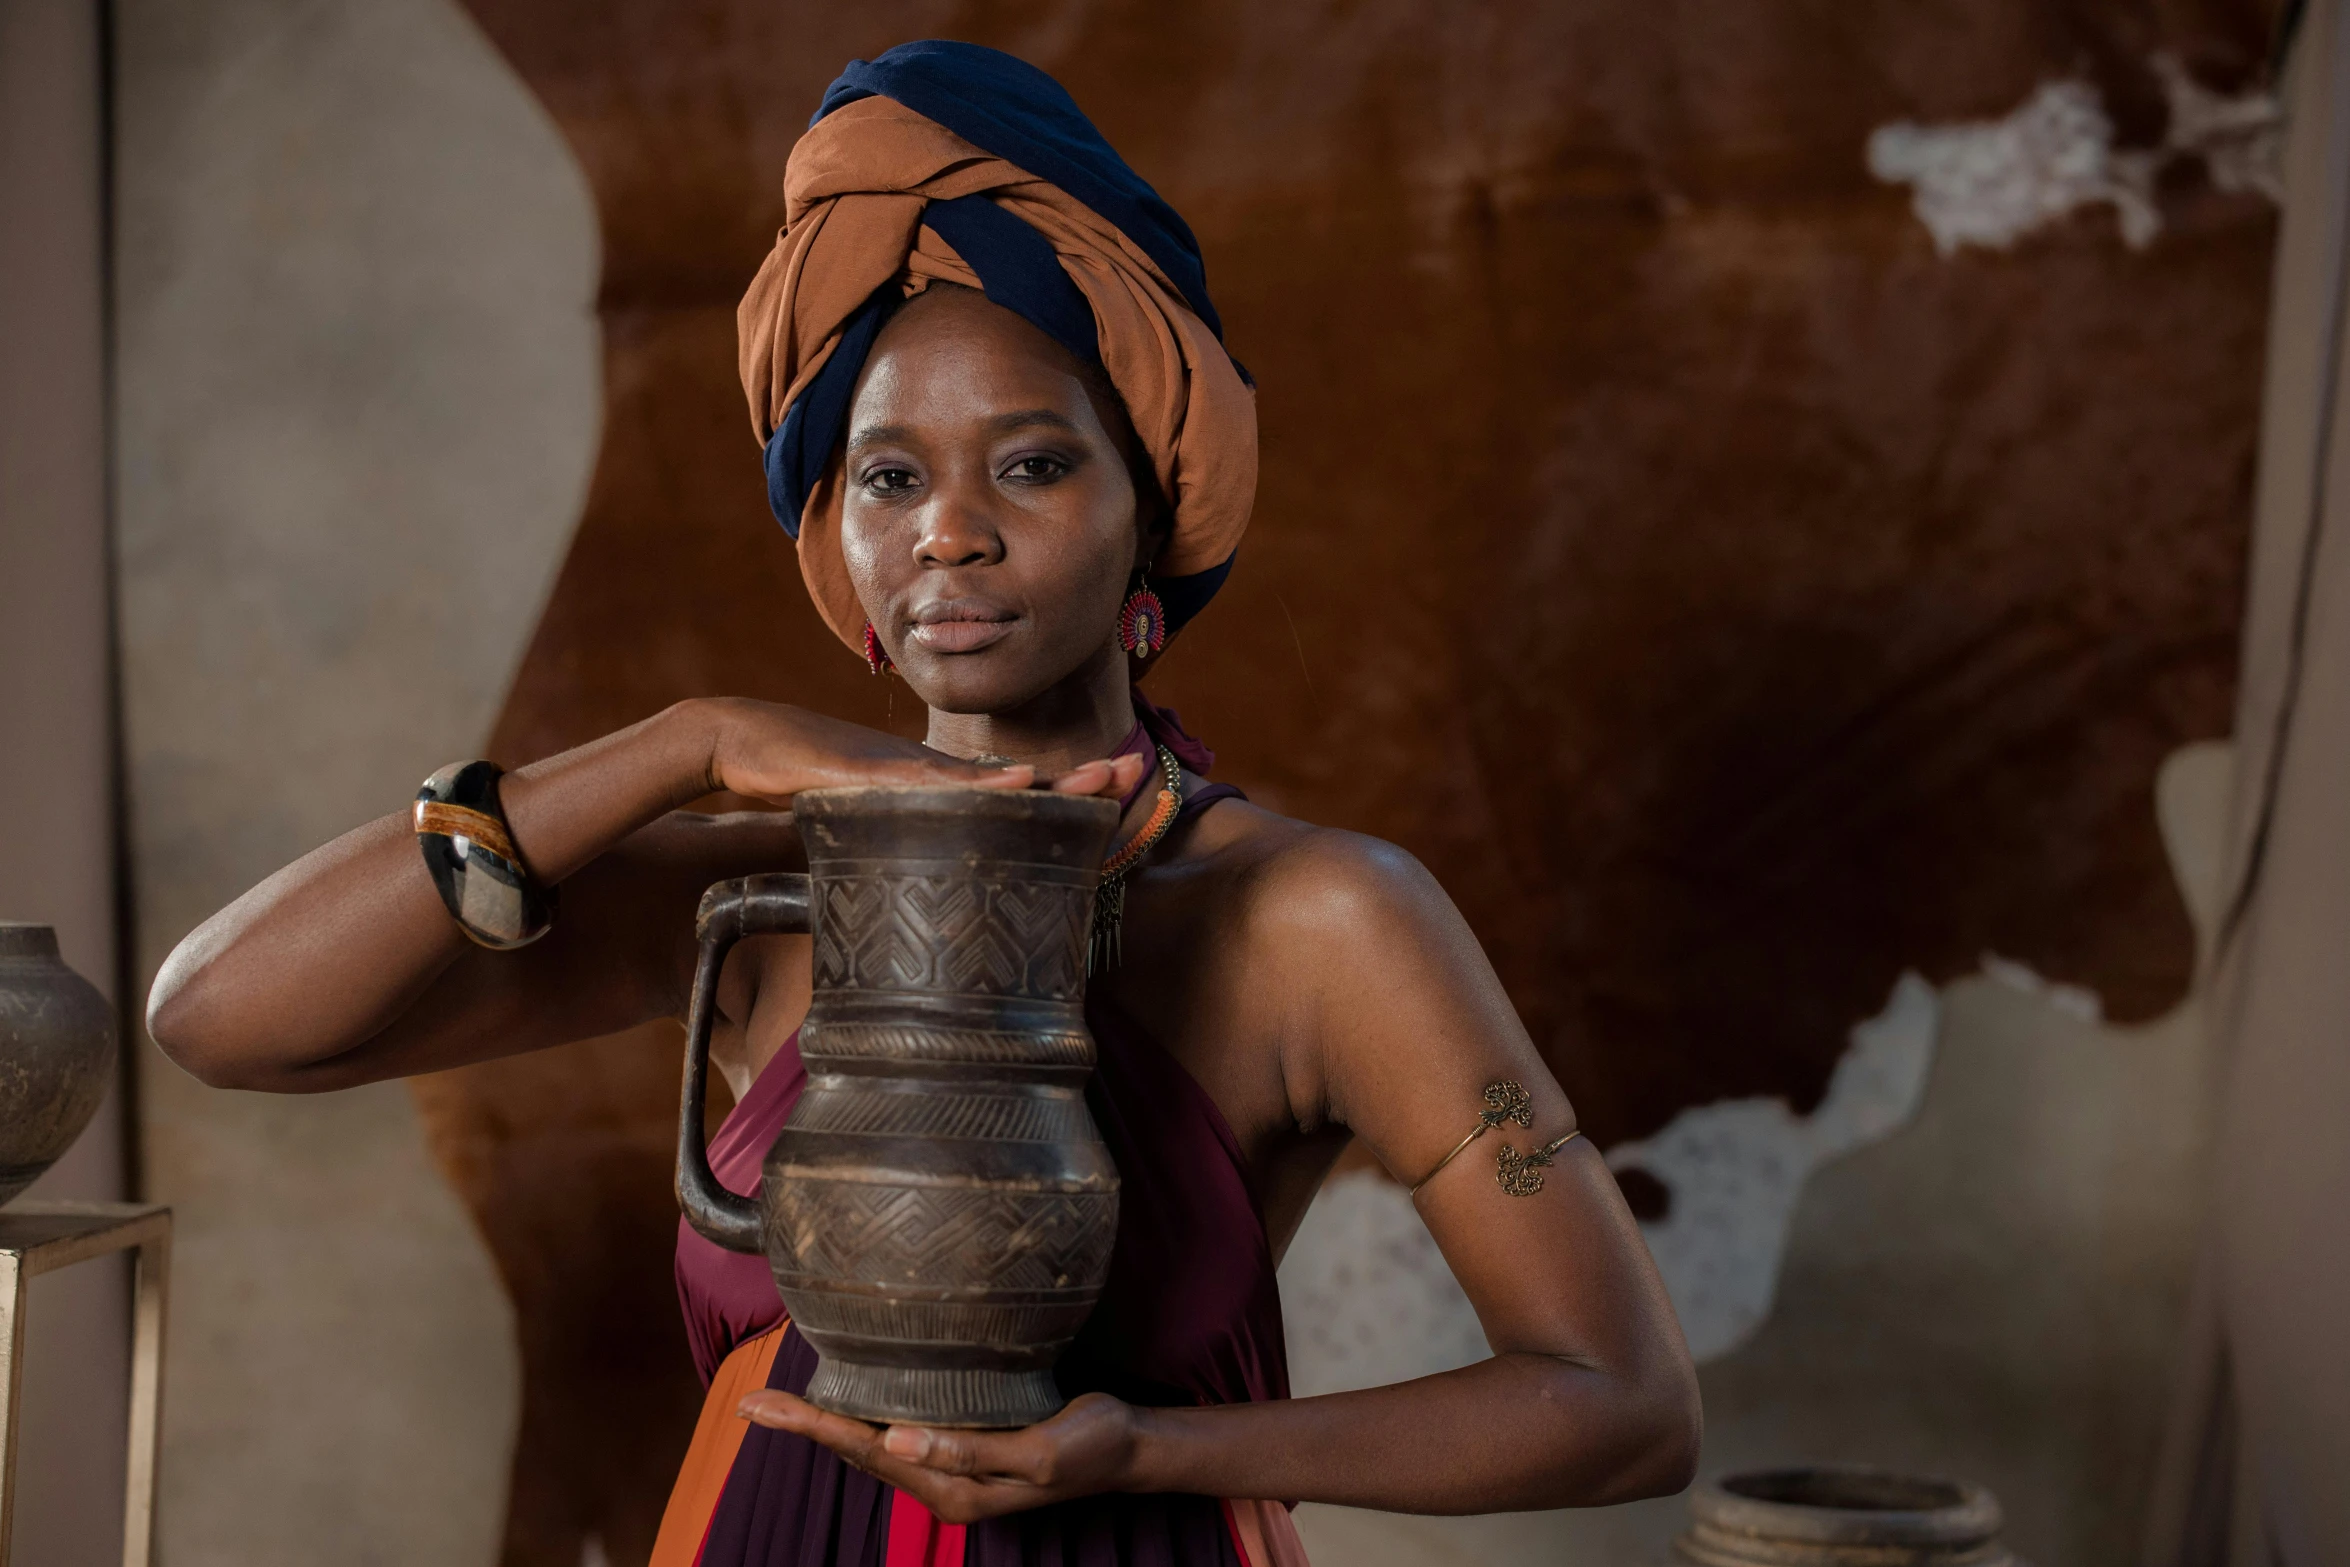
<point>469,851</point>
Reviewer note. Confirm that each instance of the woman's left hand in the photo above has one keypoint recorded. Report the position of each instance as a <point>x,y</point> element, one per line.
<point>964,1476</point>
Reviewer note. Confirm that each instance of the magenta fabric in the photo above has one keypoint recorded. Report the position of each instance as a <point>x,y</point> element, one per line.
<point>1191,1313</point>
<point>1166,728</point>
<point>729,1296</point>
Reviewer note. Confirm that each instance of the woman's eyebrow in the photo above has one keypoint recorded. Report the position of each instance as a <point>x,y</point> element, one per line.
<point>1026,417</point>
<point>876,434</point>
<point>1018,419</point>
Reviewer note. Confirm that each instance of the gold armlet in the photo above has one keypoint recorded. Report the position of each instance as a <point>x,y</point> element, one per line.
<point>1504,1101</point>
<point>1520,1174</point>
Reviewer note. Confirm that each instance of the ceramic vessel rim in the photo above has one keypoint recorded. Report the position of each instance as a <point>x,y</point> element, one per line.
<point>20,939</point>
<point>920,799</point>
<point>1976,1516</point>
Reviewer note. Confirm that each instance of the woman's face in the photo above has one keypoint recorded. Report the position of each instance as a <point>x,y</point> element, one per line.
<point>989,521</point>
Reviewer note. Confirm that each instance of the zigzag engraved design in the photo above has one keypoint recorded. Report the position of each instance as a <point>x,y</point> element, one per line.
<point>1043,1329</point>
<point>1051,927</point>
<point>905,1042</point>
<point>939,1398</point>
<point>846,909</point>
<point>960,1237</point>
<point>896,931</point>
<point>1017,1118</point>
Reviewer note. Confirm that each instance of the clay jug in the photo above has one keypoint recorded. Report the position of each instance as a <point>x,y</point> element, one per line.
<point>1825,1515</point>
<point>939,1208</point>
<point>56,1054</point>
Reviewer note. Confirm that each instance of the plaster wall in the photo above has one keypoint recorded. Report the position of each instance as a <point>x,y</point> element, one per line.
<point>57,852</point>
<point>359,396</point>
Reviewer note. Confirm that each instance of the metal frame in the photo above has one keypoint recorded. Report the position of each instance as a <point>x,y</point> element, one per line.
<point>39,1237</point>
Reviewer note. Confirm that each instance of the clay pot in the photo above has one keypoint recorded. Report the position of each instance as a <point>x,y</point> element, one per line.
<point>939,1208</point>
<point>56,1054</point>
<point>1831,1516</point>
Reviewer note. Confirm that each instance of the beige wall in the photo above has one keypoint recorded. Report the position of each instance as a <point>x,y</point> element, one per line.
<point>358,404</point>
<point>56,748</point>
<point>2280,1273</point>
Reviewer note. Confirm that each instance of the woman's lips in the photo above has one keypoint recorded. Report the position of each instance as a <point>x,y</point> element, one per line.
<point>965,631</point>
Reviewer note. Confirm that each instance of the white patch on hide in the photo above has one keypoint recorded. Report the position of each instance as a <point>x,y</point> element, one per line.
<point>2072,1000</point>
<point>1735,1170</point>
<point>1991,182</point>
<point>1367,1298</point>
<point>2241,140</point>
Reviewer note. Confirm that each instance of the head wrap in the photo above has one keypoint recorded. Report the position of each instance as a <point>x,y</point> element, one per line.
<point>950,162</point>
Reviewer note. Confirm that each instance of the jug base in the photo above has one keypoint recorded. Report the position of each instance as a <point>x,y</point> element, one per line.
<point>906,1395</point>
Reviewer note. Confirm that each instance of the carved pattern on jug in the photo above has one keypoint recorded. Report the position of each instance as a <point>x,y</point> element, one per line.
<point>880,926</point>
<point>957,1237</point>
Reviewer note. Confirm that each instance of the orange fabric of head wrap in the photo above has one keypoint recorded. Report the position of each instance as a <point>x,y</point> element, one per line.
<point>855,190</point>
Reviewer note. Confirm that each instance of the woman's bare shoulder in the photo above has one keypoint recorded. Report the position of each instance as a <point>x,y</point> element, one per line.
<point>1311,880</point>
<point>1345,954</point>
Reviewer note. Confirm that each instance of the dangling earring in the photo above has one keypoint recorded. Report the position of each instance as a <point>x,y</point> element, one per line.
<point>875,659</point>
<point>1142,624</point>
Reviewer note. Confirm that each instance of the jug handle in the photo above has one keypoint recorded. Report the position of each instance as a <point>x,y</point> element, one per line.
<point>731,910</point>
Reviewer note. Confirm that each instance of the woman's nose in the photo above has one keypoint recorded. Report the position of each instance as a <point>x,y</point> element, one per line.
<point>956,531</point>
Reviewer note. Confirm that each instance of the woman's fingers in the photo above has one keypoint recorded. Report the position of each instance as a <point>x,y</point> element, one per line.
<point>789,1412</point>
<point>1111,776</point>
<point>937,769</point>
<point>772,752</point>
<point>1085,778</point>
<point>854,1440</point>
<point>953,1497</point>
<point>1006,1456</point>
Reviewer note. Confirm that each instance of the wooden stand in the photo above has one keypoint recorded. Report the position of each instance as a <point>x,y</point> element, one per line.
<point>36,1237</point>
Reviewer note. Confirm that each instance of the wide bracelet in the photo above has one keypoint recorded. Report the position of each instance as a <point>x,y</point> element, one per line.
<point>470,853</point>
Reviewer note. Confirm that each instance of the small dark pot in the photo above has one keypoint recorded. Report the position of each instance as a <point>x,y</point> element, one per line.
<point>939,1208</point>
<point>56,1054</point>
<point>1833,1516</point>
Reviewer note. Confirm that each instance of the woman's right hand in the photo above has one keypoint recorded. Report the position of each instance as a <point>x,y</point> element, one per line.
<point>770,751</point>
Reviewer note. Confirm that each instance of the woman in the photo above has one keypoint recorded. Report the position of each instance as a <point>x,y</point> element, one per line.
<point>1001,424</point>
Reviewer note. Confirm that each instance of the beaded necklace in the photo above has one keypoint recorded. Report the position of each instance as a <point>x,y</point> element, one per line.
<point>1105,947</point>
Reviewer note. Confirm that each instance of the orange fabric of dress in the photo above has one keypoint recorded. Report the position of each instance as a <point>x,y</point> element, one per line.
<point>709,1457</point>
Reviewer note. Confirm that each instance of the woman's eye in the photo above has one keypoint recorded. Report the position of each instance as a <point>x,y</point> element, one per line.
<point>890,481</point>
<point>1038,469</point>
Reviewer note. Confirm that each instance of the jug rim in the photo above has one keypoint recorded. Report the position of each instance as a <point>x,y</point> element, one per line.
<point>1002,804</point>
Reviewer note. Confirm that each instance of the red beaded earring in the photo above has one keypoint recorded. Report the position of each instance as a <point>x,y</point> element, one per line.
<point>875,659</point>
<point>1142,624</point>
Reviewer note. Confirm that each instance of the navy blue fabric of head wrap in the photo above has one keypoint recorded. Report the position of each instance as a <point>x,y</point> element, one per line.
<point>1002,105</point>
<point>1011,110</point>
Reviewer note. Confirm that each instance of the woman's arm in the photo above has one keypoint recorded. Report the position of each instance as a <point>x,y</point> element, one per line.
<point>1392,1022</point>
<point>345,968</point>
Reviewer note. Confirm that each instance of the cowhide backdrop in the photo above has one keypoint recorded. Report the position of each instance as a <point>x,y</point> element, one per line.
<point>1734,600</point>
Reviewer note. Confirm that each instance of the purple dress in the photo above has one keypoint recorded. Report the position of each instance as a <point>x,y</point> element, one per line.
<point>1190,1315</point>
